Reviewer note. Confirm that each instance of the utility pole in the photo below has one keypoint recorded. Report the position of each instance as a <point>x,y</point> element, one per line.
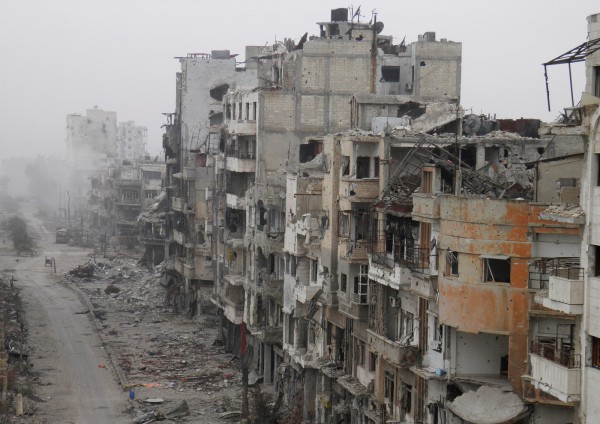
<point>244,364</point>
<point>69,208</point>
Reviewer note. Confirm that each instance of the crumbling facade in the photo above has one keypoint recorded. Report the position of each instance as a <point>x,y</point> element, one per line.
<point>375,254</point>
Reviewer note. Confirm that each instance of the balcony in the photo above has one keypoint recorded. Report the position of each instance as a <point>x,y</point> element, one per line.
<point>123,201</point>
<point>402,356</point>
<point>271,334</point>
<point>353,251</point>
<point>422,286</point>
<point>304,294</point>
<point>359,190</point>
<point>386,270</point>
<point>178,204</point>
<point>558,283</point>
<point>565,294</point>
<point>235,201</point>
<point>240,160</point>
<point>189,173</point>
<point>426,206</point>
<point>353,305</point>
<point>233,311</point>
<point>419,259</point>
<point>236,280</point>
<point>179,266</point>
<point>127,182</point>
<point>556,372</point>
<point>189,270</point>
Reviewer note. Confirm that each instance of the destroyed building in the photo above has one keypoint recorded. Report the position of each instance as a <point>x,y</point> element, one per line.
<point>380,255</point>
<point>119,195</point>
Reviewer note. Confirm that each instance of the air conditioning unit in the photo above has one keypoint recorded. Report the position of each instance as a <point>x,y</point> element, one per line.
<point>394,302</point>
<point>409,86</point>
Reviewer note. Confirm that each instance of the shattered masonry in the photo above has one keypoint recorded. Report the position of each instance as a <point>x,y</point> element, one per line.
<point>383,256</point>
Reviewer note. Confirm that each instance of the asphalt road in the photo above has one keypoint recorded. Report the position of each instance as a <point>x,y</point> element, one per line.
<point>76,381</point>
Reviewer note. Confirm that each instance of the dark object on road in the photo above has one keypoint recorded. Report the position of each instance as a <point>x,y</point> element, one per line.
<point>111,288</point>
<point>62,235</point>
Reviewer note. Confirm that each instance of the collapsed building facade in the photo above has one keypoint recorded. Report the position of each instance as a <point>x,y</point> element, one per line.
<point>378,255</point>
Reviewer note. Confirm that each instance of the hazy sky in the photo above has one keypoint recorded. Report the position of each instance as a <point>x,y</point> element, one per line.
<point>65,56</point>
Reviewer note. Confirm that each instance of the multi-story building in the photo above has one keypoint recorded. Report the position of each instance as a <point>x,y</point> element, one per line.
<point>131,141</point>
<point>118,197</point>
<point>91,146</point>
<point>193,134</point>
<point>383,257</point>
<point>268,281</point>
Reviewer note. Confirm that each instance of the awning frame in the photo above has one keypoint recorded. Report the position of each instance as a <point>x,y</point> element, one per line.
<point>576,54</point>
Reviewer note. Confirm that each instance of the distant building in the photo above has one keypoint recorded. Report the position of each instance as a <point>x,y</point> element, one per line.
<point>131,141</point>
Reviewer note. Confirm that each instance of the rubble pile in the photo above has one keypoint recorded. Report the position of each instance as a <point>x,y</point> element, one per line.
<point>163,356</point>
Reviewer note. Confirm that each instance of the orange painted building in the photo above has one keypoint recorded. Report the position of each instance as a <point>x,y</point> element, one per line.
<point>486,247</point>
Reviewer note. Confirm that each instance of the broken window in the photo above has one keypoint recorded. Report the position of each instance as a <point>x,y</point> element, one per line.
<point>360,353</point>
<point>345,165</point>
<point>314,270</point>
<point>344,227</point>
<point>427,181</point>
<point>361,285</point>
<point>363,167</point>
<point>597,160</point>
<point>290,338</point>
<point>388,387</point>
<point>451,262</point>
<point>309,151</point>
<point>261,216</point>
<point>496,269</point>
<point>240,111</point>
<point>293,266</point>
<point>362,221</point>
<point>390,74</point>
<point>254,111</point>
<point>130,195</point>
<point>372,361</point>
<point>407,326</point>
<point>233,115</point>
<point>343,282</point>
<point>219,91</point>
<point>596,81</point>
<point>247,111</point>
<point>406,397</point>
<point>596,261</point>
<point>595,352</point>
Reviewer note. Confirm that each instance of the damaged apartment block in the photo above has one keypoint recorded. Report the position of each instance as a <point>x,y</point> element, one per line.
<point>374,253</point>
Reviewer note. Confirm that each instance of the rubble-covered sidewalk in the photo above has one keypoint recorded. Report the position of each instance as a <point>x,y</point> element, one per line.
<point>162,358</point>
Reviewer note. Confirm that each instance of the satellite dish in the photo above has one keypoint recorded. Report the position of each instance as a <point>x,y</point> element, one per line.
<point>282,194</point>
<point>378,27</point>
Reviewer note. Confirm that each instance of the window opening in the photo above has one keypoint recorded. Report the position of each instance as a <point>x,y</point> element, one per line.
<point>496,270</point>
<point>390,74</point>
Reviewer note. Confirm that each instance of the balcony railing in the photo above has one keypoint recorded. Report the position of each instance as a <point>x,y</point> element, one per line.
<point>560,356</point>
<point>557,267</point>
<point>240,153</point>
<point>418,258</point>
<point>360,298</point>
<point>383,259</point>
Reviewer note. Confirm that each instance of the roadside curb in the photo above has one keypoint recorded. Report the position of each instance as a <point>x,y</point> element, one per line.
<point>92,316</point>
